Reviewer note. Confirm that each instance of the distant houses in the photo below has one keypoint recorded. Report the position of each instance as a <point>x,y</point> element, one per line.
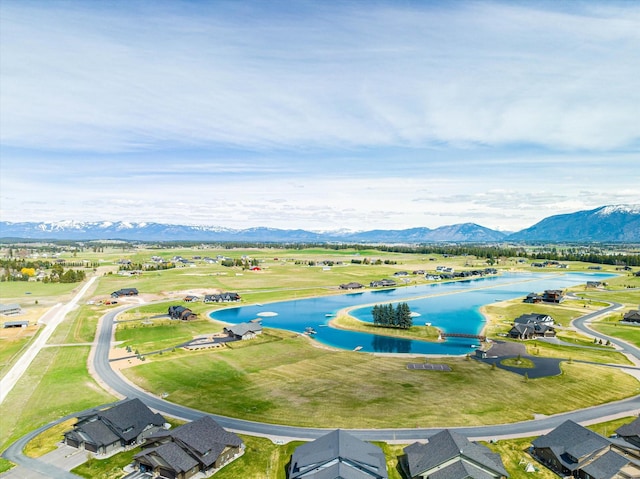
<point>382,283</point>
<point>352,285</point>
<point>222,298</point>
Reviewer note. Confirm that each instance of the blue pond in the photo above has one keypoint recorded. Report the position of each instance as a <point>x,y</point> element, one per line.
<point>452,307</point>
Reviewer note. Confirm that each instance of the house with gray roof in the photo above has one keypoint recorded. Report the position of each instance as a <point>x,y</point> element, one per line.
<point>630,432</point>
<point>244,331</point>
<point>534,318</point>
<point>531,330</point>
<point>199,447</point>
<point>573,450</point>
<point>105,431</point>
<point>632,316</point>
<point>449,455</point>
<point>335,455</point>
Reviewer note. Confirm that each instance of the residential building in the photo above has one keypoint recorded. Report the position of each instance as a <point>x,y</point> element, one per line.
<point>106,431</point>
<point>449,455</point>
<point>199,447</point>
<point>338,454</point>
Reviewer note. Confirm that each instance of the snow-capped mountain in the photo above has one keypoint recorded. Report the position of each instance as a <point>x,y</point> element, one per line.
<point>607,223</point>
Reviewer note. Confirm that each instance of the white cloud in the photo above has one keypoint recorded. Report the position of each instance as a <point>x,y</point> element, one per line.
<point>122,79</point>
<point>317,115</point>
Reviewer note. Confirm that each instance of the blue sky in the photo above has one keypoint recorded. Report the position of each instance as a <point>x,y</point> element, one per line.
<point>318,115</point>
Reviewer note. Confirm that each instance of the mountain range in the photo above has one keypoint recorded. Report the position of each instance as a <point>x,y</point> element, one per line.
<point>614,223</point>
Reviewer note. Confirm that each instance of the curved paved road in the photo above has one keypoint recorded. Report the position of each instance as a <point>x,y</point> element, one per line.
<point>119,385</point>
<point>521,429</point>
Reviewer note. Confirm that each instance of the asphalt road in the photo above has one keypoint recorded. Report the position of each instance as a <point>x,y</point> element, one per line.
<point>521,429</point>
<point>114,381</point>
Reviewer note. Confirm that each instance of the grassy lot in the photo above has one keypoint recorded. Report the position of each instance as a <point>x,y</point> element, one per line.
<point>611,326</point>
<point>290,381</point>
<point>162,333</point>
<point>56,384</point>
<point>12,344</point>
<point>515,457</point>
<point>22,291</point>
<point>501,315</point>
<point>109,468</point>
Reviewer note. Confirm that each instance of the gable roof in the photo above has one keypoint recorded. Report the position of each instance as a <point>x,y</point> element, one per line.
<point>629,430</point>
<point>338,454</point>
<point>129,418</point>
<point>244,328</point>
<point>606,466</point>
<point>94,432</point>
<point>460,470</point>
<point>447,445</point>
<point>572,439</point>
<point>124,421</point>
<point>532,318</point>
<point>205,438</point>
<point>168,455</point>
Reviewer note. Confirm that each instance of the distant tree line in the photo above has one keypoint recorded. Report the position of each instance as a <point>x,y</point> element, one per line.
<point>388,316</point>
<point>23,270</point>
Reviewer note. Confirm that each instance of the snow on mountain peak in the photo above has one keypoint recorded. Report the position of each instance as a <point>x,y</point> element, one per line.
<point>608,210</point>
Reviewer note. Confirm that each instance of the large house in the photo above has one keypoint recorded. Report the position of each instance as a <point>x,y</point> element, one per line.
<point>533,318</point>
<point>244,330</point>
<point>452,456</point>
<point>632,316</point>
<point>125,292</point>
<point>382,283</point>
<point>573,450</point>
<point>198,447</point>
<point>553,296</point>
<point>531,325</point>
<point>338,454</point>
<point>630,432</point>
<point>222,298</point>
<point>352,285</point>
<point>531,331</point>
<point>105,431</point>
<point>182,313</point>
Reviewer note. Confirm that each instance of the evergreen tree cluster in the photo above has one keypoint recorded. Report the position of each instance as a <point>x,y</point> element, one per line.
<point>388,316</point>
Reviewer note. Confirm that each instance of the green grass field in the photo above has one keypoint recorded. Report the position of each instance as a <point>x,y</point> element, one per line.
<point>611,326</point>
<point>290,381</point>
<point>282,378</point>
<point>56,384</point>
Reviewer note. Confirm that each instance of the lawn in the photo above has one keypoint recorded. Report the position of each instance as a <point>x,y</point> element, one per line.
<point>611,326</point>
<point>289,381</point>
<point>147,336</point>
<point>56,384</point>
<point>13,341</point>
